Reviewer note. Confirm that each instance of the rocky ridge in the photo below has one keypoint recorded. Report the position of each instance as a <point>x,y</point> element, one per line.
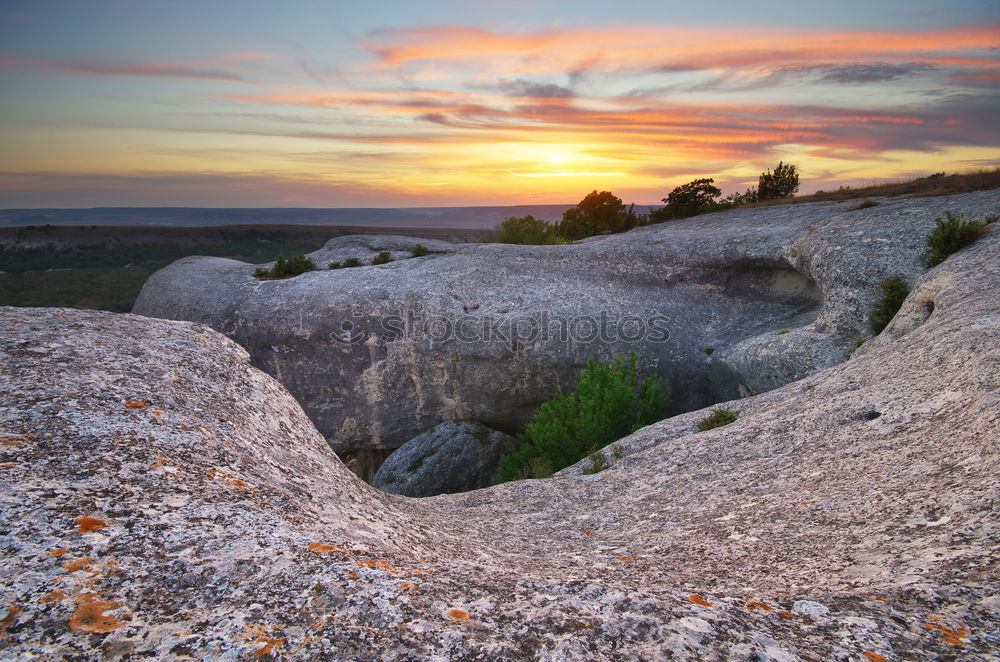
<point>721,306</point>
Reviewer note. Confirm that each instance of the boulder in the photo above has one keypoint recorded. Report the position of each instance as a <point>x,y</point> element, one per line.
<point>487,332</point>
<point>452,457</point>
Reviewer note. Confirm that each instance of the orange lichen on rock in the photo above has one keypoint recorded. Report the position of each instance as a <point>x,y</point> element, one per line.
<point>52,596</point>
<point>457,615</point>
<point>587,532</point>
<point>90,617</point>
<point>86,524</point>
<point>11,443</point>
<point>874,657</point>
<point>378,564</point>
<point>229,479</point>
<point>954,637</point>
<point>8,465</point>
<point>874,596</point>
<point>757,605</point>
<point>136,404</point>
<point>786,614</point>
<point>258,634</point>
<point>10,619</point>
<point>625,559</point>
<point>321,548</point>
<point>57,551</point>
<point>699,600</point>
<point>78,564</point>
<point>409,587</point>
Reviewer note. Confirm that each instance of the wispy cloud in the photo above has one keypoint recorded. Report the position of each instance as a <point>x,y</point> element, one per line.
<point>211,69</point>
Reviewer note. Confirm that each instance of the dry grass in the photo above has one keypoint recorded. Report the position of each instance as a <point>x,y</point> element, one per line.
<point>921,187</point>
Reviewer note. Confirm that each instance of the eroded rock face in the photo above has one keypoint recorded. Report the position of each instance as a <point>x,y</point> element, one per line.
<point>452,457</point>
<point>163,499</point>
<point>379,354</point>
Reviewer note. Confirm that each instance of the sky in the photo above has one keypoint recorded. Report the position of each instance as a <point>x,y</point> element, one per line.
<point>258,103</point>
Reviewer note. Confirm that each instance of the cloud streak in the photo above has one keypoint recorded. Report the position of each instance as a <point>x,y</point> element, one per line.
<point>208,70</point>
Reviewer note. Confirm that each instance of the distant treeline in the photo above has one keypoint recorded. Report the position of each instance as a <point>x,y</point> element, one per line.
<point>602,212</point>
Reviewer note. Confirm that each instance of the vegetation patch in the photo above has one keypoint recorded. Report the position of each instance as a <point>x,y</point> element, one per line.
<point>864,204</point>
<point>608,403</point>
<point>419,250</point>
<point>286,267</point>
<point>717,419</point>
<point>894,292</point>
<point>949,235</point>
<point>382,258</point>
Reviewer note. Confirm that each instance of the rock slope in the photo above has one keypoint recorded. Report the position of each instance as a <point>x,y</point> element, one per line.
<point>379,354</point>
<point>163,499</point>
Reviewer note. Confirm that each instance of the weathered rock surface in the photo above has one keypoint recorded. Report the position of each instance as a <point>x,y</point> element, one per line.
<point>163,499</point>
<point>379,354</point>
<point>452,457</point>
<point>852,515</point>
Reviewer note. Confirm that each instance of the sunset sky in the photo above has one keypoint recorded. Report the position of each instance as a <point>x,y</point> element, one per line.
<point>254,103</point>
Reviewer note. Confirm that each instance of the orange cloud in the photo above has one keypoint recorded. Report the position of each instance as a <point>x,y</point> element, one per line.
<point>634,48</point>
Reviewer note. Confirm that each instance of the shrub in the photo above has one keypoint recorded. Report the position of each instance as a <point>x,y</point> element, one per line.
<point>950,234</point>
<point>894,292</point>
<point>782,183</point>
<point>419,250</point>
<point>609,402</point>
<point>597,213</point>
<point>709,350</point>
<point>287,267</point>
<point>598,463</point>
<point>691,199</point>
<point>335,265</point>
<point>717,419</point>
<point>382,258</point>
<point>864,204</point>
<point>526,230</point>
<point>352,262</point>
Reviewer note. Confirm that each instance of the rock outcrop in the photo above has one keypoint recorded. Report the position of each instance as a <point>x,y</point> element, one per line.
<point>162,499</point>
<point>378,354</point>
<point>452,457</point>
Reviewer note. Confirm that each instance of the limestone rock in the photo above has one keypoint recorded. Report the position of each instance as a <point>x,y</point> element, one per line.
<point>487,332</point>
<point>162,499</point>
<point>452,457</point>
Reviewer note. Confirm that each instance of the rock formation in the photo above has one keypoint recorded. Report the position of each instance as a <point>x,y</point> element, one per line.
<point>379,354</point>
<point>452,457</point>
<point>163,499</point>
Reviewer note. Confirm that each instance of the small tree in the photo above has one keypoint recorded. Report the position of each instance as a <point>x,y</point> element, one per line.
<point>782,183</point>
<point>691,199</point>
<point>609,402</point>
<point>597,213</point>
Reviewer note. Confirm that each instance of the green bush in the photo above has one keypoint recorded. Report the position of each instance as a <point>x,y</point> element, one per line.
<point>352,262</point>
<point>382,258</point>
<point>894,292</point>
<point>335,265</point>
<point>525,230</point>
<point>287,267</point>
<point>717,419</point>
<point>609,402</point>
<point>419,250</point>
<point>950,234</point>
<point>597,213</point>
